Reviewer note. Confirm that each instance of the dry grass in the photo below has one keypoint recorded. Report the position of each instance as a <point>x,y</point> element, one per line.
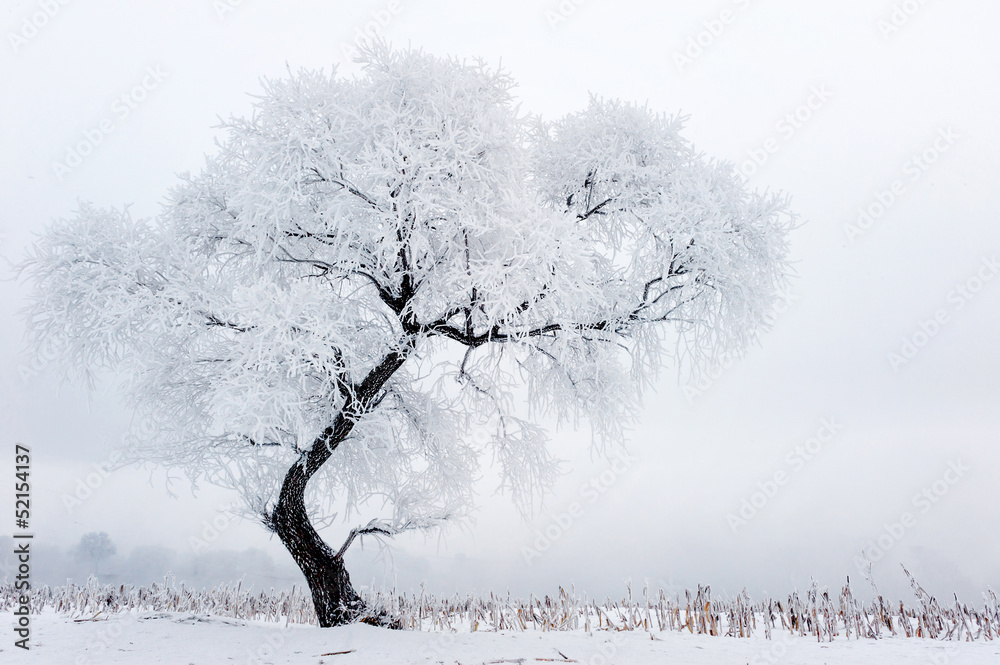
<point>814,614</point>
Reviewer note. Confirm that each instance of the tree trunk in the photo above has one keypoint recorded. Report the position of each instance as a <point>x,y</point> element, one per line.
<point>335,600</point>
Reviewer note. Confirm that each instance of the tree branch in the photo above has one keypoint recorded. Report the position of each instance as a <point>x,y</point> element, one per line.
<point>215,321</point>
<point>375,527</point>
<point>378,527</point>
<point>348,186</point>
<point>596,210</point>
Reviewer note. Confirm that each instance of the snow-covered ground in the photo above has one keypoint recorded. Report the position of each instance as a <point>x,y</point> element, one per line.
<point>183,639</point>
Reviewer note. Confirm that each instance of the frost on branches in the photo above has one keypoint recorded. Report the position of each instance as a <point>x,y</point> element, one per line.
<point>369,269</point>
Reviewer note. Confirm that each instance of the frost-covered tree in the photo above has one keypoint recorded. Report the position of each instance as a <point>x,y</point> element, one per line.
<point>340,311</point>
<point>95,547</point>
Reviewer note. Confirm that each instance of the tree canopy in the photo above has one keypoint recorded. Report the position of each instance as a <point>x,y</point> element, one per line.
<point>401,251</point>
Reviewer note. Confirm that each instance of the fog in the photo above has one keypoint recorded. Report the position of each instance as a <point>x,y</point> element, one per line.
<point>865,420</point>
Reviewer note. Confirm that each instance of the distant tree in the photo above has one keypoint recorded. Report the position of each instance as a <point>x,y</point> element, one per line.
<point>368,270</point>
<point>95,547</point>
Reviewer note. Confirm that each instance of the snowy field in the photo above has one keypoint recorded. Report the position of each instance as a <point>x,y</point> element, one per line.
<point>171,623</point>
<point>181,638</point>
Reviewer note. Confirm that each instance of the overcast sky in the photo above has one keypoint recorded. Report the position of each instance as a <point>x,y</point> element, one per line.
<point>877,383</point>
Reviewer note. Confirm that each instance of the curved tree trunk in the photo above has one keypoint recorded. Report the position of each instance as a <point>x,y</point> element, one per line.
<point>335,600</point>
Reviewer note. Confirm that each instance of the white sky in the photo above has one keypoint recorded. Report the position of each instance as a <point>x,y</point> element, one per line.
<point>885,98</point>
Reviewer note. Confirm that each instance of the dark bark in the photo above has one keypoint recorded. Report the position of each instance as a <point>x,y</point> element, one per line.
<point>335,600</point>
